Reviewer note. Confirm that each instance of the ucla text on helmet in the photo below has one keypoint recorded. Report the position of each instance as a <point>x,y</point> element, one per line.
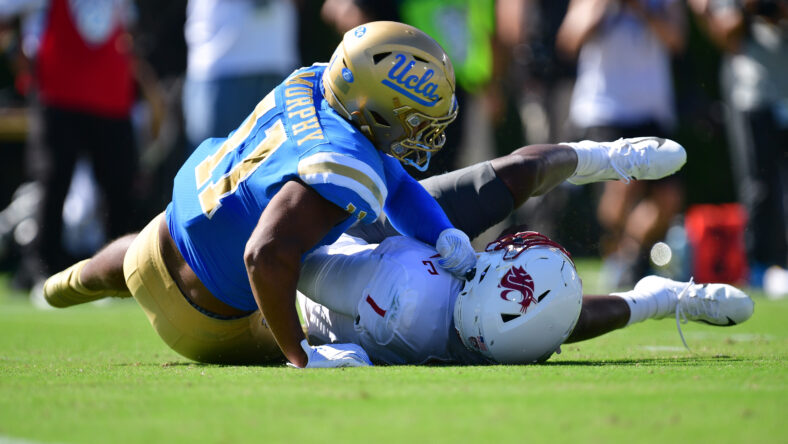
<point>412,86</point>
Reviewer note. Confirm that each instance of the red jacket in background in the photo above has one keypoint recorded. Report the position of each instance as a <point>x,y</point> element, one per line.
<point>77,75</point>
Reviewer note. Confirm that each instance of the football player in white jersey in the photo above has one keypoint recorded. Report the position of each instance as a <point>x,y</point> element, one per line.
<point>523,302</point>
<point>524,299</point>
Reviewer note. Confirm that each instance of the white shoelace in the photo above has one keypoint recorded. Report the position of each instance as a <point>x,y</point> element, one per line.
<point>621,159</point>
<point>681,317</point>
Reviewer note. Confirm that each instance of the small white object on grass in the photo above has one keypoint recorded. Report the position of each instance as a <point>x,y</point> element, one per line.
<point>661,254</point>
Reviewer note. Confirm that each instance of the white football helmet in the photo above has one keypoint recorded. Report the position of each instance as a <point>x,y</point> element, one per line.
<point>523,301</point>
<point>396,84</point>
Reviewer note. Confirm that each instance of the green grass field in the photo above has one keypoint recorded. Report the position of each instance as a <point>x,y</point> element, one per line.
<point>100,374</point>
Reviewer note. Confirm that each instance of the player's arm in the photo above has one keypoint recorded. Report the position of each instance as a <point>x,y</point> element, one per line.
<point>295,220</point>
<point>415,213</point>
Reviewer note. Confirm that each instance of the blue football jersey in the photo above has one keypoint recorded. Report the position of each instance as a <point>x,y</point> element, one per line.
<point>224,186</point>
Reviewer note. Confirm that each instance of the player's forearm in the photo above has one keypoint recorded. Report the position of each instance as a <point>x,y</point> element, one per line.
<point>294,221</point>
<point>415,213</point>
<point>273,274</point>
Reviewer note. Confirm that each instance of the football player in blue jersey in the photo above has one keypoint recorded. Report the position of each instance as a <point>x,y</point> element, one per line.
<point>322,151</point>
<point>216,273</point>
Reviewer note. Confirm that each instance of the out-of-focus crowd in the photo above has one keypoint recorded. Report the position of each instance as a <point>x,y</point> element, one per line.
<point>102,100</point>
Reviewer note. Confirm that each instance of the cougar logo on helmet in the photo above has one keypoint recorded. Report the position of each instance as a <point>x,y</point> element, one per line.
<point>517,279</point>
<point>413,87</point>
<point>519,328</point>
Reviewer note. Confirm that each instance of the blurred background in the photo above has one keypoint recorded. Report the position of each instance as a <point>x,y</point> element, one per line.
<point>102,100</point>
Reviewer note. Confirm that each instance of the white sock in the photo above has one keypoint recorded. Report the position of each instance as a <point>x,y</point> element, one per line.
<point>644,305</point>
<point>591,157</point>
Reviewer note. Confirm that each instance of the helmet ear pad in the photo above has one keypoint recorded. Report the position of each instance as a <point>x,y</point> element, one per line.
<point>520,309</point>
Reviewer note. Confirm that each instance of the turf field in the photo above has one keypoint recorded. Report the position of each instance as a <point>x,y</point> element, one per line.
<point>100,374</point>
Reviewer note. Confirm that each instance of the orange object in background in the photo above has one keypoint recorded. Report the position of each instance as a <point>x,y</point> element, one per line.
<point>716,237</point>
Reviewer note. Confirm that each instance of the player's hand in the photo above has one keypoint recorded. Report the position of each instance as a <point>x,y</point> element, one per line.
<point>457,254</point>
<point>335,355</point>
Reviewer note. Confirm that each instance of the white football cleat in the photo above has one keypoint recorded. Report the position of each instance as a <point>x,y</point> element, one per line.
<point>714,304</point>
<point>639,158</point>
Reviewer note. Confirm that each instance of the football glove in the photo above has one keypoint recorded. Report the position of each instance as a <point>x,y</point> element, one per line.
<point>335,355</point>
<point>457,254</point>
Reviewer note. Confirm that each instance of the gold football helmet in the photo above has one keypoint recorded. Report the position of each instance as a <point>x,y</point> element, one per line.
<point>396,84</point>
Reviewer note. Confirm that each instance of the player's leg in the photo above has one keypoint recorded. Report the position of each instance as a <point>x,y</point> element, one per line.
<point>600,314</point>
<point>479,196</point>
<point>91,279</point>
<point>186,328</point>
<point>105,270</point>
<point>656,297</point>
<point>534,170</point>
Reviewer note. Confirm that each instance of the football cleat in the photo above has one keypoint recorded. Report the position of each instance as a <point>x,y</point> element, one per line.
<point>713,304</point>
<point>639,158</point>
<point>63,289</point>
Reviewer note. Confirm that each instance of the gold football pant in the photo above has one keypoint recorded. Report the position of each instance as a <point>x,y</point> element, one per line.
<point>197,336</point>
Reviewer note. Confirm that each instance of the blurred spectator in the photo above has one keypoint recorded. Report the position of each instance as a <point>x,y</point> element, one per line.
<point>624,89</point>
<point>159,41</point>
<point>542,84</point>
<point>14,83</point>
<point>85,89</point>
<point>345,15</point>
<point>543,80</point>
<point>469,30</point>
<point>238,50</point>
<point>754,78</point>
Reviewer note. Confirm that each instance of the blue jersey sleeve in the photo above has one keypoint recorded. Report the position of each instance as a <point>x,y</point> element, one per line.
<point>356,186</point>
<point>410,208</point>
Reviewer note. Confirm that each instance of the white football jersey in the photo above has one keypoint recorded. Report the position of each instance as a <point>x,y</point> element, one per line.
<point>392,299</point>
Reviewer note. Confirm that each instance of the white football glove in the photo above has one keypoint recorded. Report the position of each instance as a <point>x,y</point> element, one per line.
<point>457,255</point>
<point>335,355</point>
